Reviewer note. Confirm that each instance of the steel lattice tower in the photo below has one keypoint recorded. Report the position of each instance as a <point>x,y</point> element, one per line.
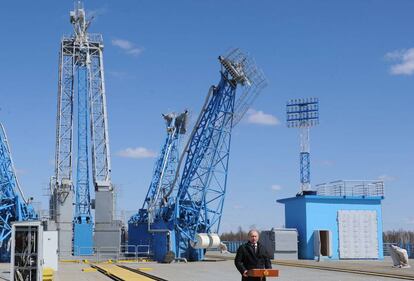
<point>14,206</point>
<point>202,188</point>
<point>303,114</point>
<point>193,205</point>
<point>81,82</point>
<point>161,188</point>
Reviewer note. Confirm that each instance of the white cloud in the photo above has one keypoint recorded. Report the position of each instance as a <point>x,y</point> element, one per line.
<point>123,44</point>
<point>97,12</point>
<point>386,177</point>
<point>276,187</point>
<point>404,61</point>
<point>138,152</point>
<point>259,117</point>
<point>135,51</point>
<point>129,47</point>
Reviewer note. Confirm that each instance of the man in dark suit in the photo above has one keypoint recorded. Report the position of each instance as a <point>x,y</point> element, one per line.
<point>252,255</point>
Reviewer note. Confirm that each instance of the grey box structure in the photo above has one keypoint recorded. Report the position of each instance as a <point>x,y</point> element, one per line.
<point>61,213</point>
<point>107,230</point>
<point>281,243</point>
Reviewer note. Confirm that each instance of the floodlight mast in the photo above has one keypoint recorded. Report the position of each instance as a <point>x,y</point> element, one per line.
<point>303,114</point>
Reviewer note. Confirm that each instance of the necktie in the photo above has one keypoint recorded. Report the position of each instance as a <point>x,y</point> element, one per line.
<point>255,248</point>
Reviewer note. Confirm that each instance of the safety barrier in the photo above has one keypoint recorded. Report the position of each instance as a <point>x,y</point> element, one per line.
<point>102,254</point>
<point>408,246</point>
<point>232,247</point>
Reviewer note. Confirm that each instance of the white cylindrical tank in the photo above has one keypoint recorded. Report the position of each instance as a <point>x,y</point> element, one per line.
<point>202,241</point>
<point>214,240</point>
<point>206,241</point>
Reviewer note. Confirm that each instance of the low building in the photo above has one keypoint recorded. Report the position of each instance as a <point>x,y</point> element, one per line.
<point>341,220</point>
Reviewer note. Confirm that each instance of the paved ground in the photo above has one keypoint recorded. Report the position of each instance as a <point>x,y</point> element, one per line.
<point>223,270</point>
<point>67,272</point>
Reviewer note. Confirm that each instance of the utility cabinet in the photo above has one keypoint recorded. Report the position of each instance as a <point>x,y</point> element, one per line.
<point>50,249</point>
<point>26,251</point>
<point>280,243</point>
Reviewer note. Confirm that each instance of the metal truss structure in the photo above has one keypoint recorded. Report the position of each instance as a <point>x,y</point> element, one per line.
<point>13,205</point>
<point>81,71</point>
<point>202,188</point>
<point>303,114</point>
<point>194,203</point>
<point>161,189</point>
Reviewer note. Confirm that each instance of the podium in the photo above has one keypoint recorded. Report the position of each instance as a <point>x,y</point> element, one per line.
<point>263,273</point>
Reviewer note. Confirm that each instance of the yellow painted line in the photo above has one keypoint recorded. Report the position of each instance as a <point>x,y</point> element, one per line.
<point>144,268</point>
<point>89,269</point>
<point>119,273</point>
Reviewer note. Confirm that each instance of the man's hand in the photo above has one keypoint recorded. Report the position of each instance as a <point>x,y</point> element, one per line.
<point>245,273</point>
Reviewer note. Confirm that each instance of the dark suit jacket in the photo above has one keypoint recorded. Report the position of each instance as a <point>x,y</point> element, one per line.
<point>246,259</point>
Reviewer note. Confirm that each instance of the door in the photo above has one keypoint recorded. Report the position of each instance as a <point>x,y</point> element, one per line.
<point>50,249</point>
<point>322,243</point>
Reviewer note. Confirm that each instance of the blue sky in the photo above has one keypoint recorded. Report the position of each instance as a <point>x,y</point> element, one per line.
<point>357,57</point>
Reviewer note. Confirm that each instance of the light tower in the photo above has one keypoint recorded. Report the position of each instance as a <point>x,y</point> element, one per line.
<point>303,114</point>
<point>82,90</point>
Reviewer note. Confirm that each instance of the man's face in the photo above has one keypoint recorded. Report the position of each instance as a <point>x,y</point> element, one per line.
<point>253,237</point>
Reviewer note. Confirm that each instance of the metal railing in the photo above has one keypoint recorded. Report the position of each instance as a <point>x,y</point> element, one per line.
<point>102,254</point>
<point>232,247</point>
<point>351,188</point>
<point>92,37</point>
<point>408,246</point>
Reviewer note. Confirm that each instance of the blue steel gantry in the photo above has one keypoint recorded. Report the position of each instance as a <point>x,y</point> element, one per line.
<point>81,79</point>
<point>191,219</point>
<point>159,202</point>
<point>303,114</point>
<point>14,206</point>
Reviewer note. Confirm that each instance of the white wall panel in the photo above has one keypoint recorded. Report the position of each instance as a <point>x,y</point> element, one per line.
<point>358,234</point>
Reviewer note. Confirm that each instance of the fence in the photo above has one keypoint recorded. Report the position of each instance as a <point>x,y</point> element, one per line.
<point>409,247</point>
<point>124,252</point>
<point>351,188</point>
<point>232,247</point>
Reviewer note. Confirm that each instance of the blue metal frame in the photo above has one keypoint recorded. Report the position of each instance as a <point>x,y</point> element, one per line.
<point>304,167</point>
<point>202,188</point>
<point>81,59</point>
<point>82,239</point>
<point>198,204</point>
<point>151,225</point>
<point>13,206</point>
<point>163,175</point>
